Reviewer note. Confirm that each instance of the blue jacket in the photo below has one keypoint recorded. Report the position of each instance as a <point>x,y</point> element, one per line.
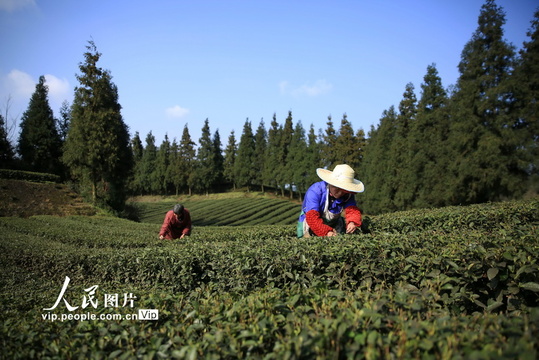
<point>315,199</point>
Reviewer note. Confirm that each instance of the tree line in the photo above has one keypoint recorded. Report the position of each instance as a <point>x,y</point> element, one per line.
<point>476,141</point>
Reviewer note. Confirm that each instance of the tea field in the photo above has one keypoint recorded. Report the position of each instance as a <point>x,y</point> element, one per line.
<point>229,211</point>
<point>450,283</point>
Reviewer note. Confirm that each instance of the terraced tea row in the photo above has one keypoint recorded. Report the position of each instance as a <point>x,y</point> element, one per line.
<point>232,212</point>
<point>416,286</point>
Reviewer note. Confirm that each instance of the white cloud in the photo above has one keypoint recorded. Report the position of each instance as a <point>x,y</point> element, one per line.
<point>12,5</point>
<point>320,87</point>
<point>18,87</point>
<point>176,111</point>
<point>20,84</point>
<point>58,88</point>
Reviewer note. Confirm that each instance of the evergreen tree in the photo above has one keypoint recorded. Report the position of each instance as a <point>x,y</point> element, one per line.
<point>428,142</point>
<point>526,84</point>
<point>6,150</point>
<point>39,143</point>
<point>312,158</point>
<point>346,147</point>
<point>173,173</point>
<point>230,160</point>
<point>329,145</point>
<point>272,161</point>
<point>218,159</point>
<point>481,134</point>
<point>162,164</point>
<point>146,175</point>
<point>64,121</point>
<point>97,147</point>
<point>377,165</point>
<point>137,150</point>
<point>205,173</point>
<point>283,170</point>
<point>260,151</point>
<point>297,161</point>
<point>243,170</point>
<point>402,177</point>
<point>187,161</point>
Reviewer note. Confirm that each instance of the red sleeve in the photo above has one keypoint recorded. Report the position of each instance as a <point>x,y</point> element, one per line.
<point>316,223</point>
<point>165,228</point>
<point>353,214</point>
<point>187,222</point>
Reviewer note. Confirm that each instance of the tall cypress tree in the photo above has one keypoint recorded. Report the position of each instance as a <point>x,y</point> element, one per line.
<point>137,149</point>
<point>377,165</point>
<point>329,146</point>
<point>243,169</point>
<point>401,176</point>
<point>187,161</point>
<point>260,151</point>
<point>481,126</point>
<point>6,150</point>
<point>346,147</point>
<point>97,147</point>
<point>218,159</point>
<point>205,172</point>
<point>283,170</point>
<point>173,173</point>
<point>230,159</point>
<point>428,143</point>
<point>162,163</point>
<point>272,159</point>
<point>39,142</point>
<point>64,121</point>
<point>312,158</point>
<point>526,84</point>
<point>297,161</point>
<point>146,175</point>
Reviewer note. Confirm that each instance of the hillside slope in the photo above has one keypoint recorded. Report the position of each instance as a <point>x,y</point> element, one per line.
<point>23,199</point>
<point>234,210</point>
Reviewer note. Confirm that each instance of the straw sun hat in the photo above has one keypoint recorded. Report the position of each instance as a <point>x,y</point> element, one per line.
<point>342,177</point>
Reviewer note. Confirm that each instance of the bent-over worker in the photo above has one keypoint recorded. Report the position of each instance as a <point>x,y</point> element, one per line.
<point>177,223</point>
<point>325,201</point>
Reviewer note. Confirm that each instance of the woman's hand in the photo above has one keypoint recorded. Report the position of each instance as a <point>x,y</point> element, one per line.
<point>351,227</point>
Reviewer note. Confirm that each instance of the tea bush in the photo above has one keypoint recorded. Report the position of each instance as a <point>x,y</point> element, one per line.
<point>460,282</point>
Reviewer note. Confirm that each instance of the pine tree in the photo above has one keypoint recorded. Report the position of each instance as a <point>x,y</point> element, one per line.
<point>272,160</point>
<point>377,165</point>
<point>187,160</point>
<point>312,158</point>
<point>346,148</point>
<point>97,147</point>
<point>64,121</point>
<point>162,163</point>
<point>137,150</point>
<point>401,178</point>
<point>329,145</point>
<point>243,170</point>
<point>526,84</point>
<point>297,161</point>
<point>173,173</point>
<point>428,143</point>
<point>260,151</point>
<point>39,143</point>
<point>283,170</point>
<point>230,160</point>
<point>146,175</point>
<point>218,160</point>
<point>482,126</point>
<point>205,173</point>
<point>6,150</point>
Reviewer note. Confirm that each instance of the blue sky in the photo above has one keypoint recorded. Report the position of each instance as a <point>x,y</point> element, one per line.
<point>181,62</point>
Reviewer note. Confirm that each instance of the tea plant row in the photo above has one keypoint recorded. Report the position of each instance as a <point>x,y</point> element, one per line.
<point>461,282</point>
